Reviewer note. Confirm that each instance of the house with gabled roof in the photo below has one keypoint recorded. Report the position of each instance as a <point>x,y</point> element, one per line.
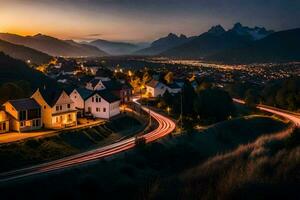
<point>24,114</point>
<point>102,104</point>
<point>155,88</point>
<point>95,84</point>
<point>78,96</point>
<point>58,110</point>
<point>121,90</point>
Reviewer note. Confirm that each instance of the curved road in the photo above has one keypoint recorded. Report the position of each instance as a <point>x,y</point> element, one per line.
<point>292,116</point>
<point>165,126</point>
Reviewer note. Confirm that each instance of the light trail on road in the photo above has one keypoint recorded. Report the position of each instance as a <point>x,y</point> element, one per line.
<point>292,116</point>
<point>165,127</point>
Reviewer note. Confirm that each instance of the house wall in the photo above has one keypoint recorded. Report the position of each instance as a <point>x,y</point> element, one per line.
<point>99,86</point>
<point>62,103</point>
<point>46,110</point>
<point>102,109</point>
<point>77,99</point>
<point>64,120</point>
<point>11,110</point>
<point>2,128</point>
<point>4,120</point>
<point>15,124</point>
<point>159,90</point>
<point>62,115</point>
<point>114,109</point>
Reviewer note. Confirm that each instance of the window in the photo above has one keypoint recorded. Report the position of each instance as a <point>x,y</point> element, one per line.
<point>104,109</point>
<point>60,107</point>
<point>44,107</point>
<point>98,110</point>
<point>57,108</point>
<point>97,99</point>
<point>56,119</point>
<point>36,123</point>
<point>3,126</point>
<point>22,115</point>
<point>69,106</point>
<point>22,124</point>
<point>92,99</point>
<point>69,117</point>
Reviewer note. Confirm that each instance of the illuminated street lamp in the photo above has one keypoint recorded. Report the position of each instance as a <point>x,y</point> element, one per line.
<point>168,110</point>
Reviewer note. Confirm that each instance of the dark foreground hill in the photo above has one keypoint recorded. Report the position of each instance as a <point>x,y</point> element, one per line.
<point>18,80</point>
<point>24,53</point>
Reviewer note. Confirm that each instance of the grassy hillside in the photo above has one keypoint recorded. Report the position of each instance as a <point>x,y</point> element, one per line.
<point>145,173</point>
<point>265,169</point>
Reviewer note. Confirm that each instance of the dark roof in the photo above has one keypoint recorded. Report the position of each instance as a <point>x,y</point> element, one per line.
<point>24,104</point>
<point>173,85</point>
<point>112,85</point>
<point>106,95</point>
<point>84,93</point>
<point>153,83</point>
<point>116,85</point>
<point>94,82</point>
<point>51,95</point>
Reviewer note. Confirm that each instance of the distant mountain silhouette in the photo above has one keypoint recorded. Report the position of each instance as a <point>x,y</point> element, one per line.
<point>255,33</point>
<point>53,46</point>
<point>163,44</point>
<point>115,48</point>
<point>215,40</point>
<point>280,46</point>
<point>24,53</point>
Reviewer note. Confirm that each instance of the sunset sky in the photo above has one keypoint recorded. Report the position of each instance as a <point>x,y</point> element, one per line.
<point>140,20</point>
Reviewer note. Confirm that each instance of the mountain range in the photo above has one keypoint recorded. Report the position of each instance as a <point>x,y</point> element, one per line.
<point>116,48</point>
<point>217,39</point>
<point>238,44</point>
<point>53,46</point>
<point>163,44</point>
<point>282,46</point>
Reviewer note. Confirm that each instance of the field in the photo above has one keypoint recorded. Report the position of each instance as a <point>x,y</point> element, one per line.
<point>148,172</point>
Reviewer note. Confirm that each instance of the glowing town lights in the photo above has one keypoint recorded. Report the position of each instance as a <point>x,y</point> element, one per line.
<point>130,73</point>
<point>28,61</point>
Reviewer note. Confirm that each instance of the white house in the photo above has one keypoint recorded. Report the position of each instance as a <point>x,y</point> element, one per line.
<point>95,84</point>
<point>57,108</point>
<point>155,88</point>
<point>102,104</point>
<point>78,96</point>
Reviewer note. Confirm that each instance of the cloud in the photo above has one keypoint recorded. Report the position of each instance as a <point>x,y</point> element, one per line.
<point>95,35</point>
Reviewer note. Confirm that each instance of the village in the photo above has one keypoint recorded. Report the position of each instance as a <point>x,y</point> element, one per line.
<point>96,95</point>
